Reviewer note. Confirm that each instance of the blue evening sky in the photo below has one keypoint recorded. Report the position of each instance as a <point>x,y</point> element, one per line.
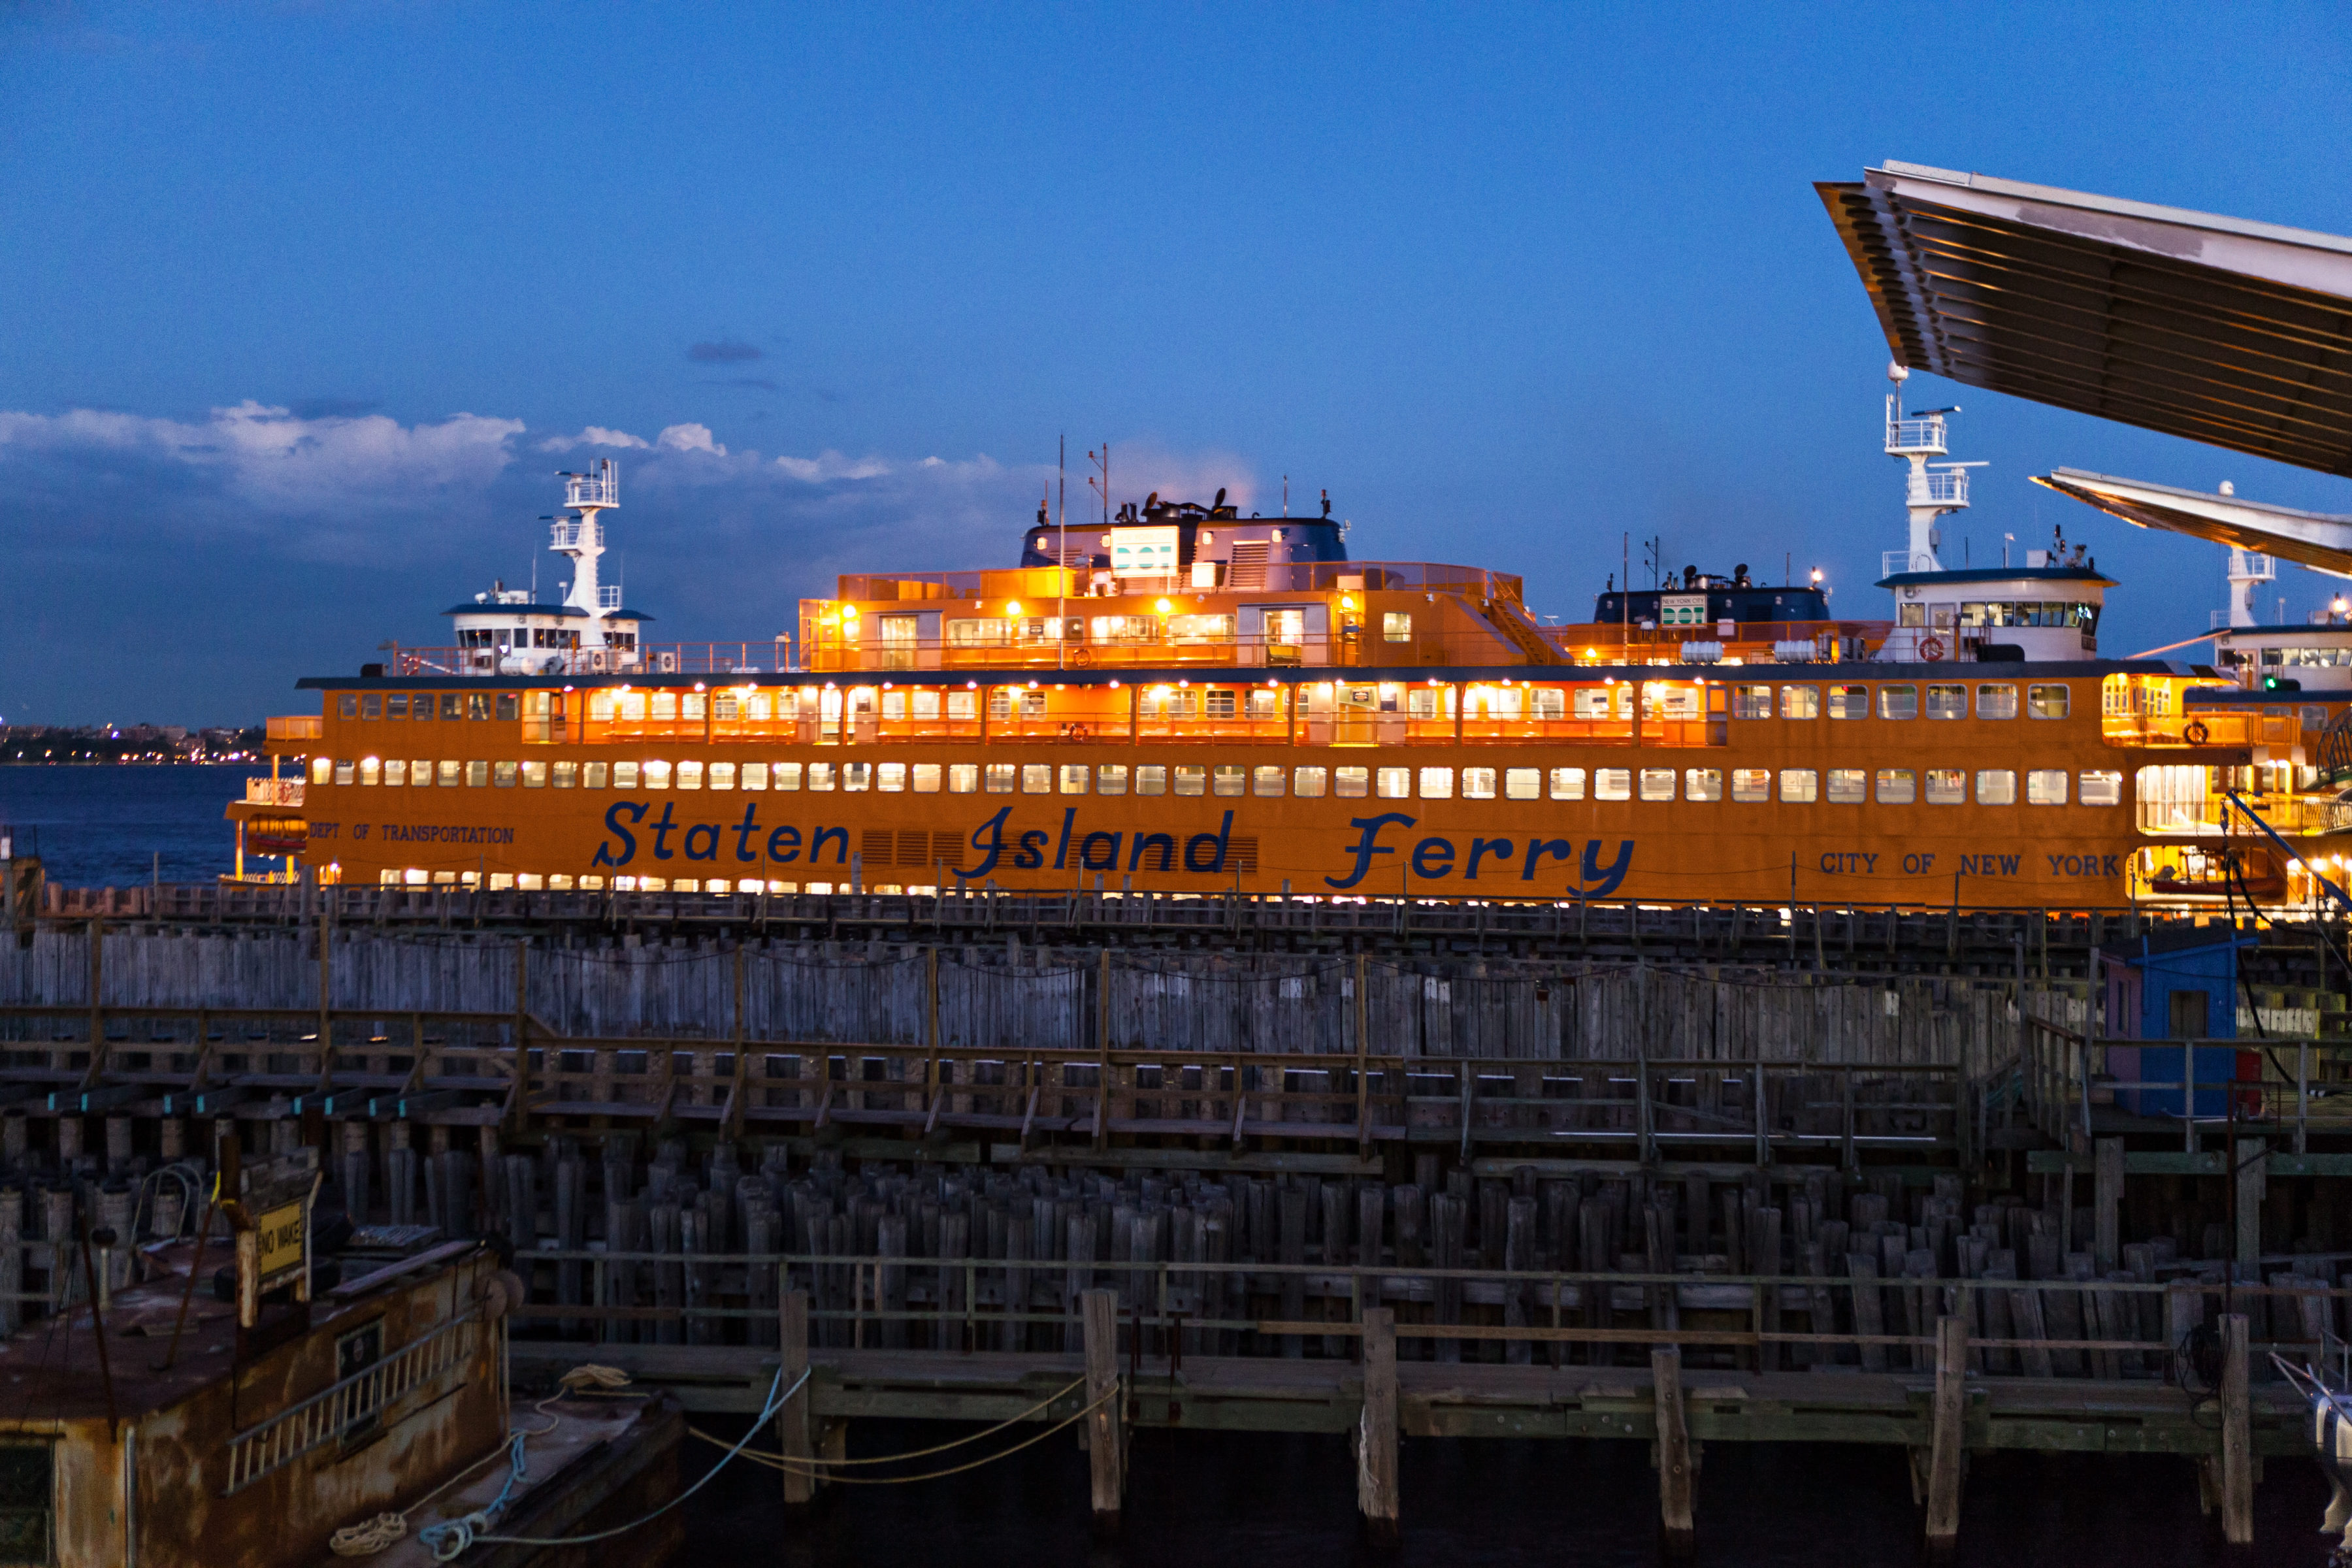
<point>301,304</point>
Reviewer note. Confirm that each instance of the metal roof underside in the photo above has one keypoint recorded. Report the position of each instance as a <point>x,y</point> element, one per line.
<point>2224,330</point>
<point>2317,540</point>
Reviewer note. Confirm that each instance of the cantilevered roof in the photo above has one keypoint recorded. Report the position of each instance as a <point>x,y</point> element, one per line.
<point>2224,330</point>
<point>2314,539</point>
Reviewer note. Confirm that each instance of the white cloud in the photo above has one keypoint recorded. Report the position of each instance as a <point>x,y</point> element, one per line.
<point>689,438</point>
<point>268,457</point>
<point>829,465</point>
<point>594,436</point>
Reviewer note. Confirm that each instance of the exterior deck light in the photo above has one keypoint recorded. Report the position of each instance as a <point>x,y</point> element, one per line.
<point>1012,606</point>
<point>848,612</point>
<point>1347,601</point>
<point>1163,606</point>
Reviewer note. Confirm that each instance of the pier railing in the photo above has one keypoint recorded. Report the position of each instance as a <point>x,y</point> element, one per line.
<point>2120,1327</point>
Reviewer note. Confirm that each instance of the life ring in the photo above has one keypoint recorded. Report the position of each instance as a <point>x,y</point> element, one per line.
<point>1931,649</point>
<point>1081,656</point>
<point>2195,733</point>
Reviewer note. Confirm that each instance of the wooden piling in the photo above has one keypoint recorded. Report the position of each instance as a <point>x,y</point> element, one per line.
<point>1106,1437</point>
<point>2108,1194</point>
<point>792,1418</point>
<point>1674,1457</point>
<point>2237,1435</point>
<point>1948,1454</point>
<point>1376,1430</point>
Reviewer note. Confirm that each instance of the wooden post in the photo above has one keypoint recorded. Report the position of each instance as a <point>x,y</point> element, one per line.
<point>2237,1435</point>
<point>326,994</point>
<point>522,1027</point>
<point>2251,1159</point>
<point>1363,1084</point>
<point>97,1004</point>
<point>1948,1454</point>
<point>1376,1432</point>
<point>792,1420</point>
<point>1105,1441</point>
<point>2107,1193</point>
<point>1675,1481</point>
<point>1102,1044</point>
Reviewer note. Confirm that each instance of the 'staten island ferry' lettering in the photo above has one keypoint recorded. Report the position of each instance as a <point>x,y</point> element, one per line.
<point>1183,699</point>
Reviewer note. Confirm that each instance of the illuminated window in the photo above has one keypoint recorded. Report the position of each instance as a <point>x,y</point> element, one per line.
<point>1221,703</point>
<point>1151,778</point>
<point>1567,784</point>
<point>1997,700</point>
<point>1551,702</point>
<point>963,778</point>
<point>1947,703</point>
<point>1896,786</point>
<point>1612,783</point>
<point>1074,778</point>
<point>1522,784</point>
<point>963,705</point>
<point>1266,781</point>
<point>657,776</point>
<point>820,775</point>
<point>2101,788</point>
<point>1396,625</point>
<point>1001,778</point>
<point>1191,778</point>
<point>1309,784</point>
<point>595,775</point>
<point>370,770</point>
<point>1703,783</point>
<point>890,777</point>
<point>927,704</point>
<point>448,773</point>
<point>785,775</point>
<point>926,778</point>
<point>1848,702</point>
<point>1752,702</point>
<point>1037,778</point>
<point>345,770</point>
<point>1111,779</point>
<point>1437,784</point>
<point>1801,702</point>
<point>1350,784</point>
<point>1392,784</point>
<point>1657,784</point>
<point>2045,786</point>
<point>396,771</point>
<point>1946,786</point>
<point>1996,786</point>
<point>1594,701</point>
<point>2045,701</point>
<point>1799,785</point>
<point>723,775</point>
<point>1848,786</point>
<point>477,773</point>
<point>1477,783</point>
<point>690,774</point>
<point>534,775</point>
<point>755,775</point>
<point>1897,702</point>
<point>1751,785</point>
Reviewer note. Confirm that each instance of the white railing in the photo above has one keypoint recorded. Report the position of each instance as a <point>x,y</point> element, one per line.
<point>608,595</point>
<point>1892,562</point>
<point>327,1415</point>
<point>1906,437</point>
<point>581,491</point>
<point>564,535</point>
<point>273,791</point>
<point>1940,487</point>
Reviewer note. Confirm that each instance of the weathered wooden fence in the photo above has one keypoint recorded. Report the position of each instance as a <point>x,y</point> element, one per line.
<point>1012,996</point>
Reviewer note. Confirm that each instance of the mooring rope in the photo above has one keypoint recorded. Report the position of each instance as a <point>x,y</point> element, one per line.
<point>377,1534</point>
<point>822,1470</point>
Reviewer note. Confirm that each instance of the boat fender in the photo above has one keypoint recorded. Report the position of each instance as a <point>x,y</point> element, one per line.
<point>502,1294</point>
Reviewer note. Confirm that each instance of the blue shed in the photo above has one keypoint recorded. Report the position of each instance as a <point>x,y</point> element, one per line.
<point>2174,985</point>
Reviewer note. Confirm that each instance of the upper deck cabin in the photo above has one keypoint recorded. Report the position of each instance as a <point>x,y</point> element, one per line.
<point>1709,618</point>
<point>1174,586</point>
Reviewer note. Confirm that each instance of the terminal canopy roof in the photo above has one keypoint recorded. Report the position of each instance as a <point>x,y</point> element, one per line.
<point>2227,332</point>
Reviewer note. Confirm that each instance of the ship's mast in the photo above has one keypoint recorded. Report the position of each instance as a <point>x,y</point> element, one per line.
<point>1930,489</point>
<point>581,537</point>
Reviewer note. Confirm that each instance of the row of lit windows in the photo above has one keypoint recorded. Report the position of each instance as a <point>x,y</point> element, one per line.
<point>1994,699</point>
<point>558,882</point>
<point>1888,787</point>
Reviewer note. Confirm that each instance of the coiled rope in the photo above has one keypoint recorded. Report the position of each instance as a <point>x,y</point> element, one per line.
<point>377,1534</point>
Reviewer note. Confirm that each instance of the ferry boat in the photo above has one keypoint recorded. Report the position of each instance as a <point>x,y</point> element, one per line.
<point>1183,699</point>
